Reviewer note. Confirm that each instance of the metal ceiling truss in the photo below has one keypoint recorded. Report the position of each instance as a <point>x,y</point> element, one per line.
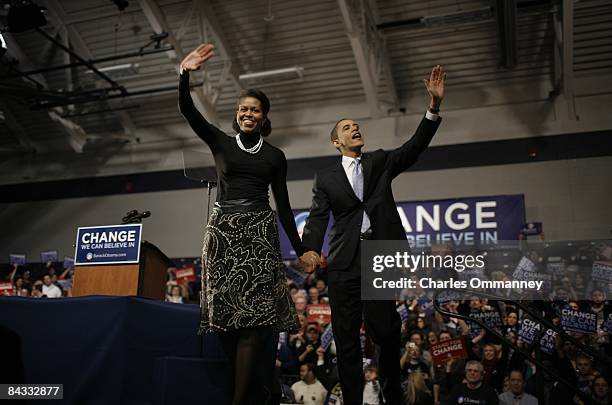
<point>208,22</point>
<point>73,132</point>
<point>157,20</point>
<point>370,53</point>
<point>563,58</point>
<point>74,39</point>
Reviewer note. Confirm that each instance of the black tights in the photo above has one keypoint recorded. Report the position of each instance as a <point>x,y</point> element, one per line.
<point>243,349</point>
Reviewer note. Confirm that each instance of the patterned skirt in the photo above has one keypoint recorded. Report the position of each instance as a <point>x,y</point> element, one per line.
<point>243,284</point>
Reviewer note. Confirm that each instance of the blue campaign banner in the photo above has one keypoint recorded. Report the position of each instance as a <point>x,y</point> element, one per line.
<point>403,312</point>
<point>461,220</point>
<point>49,256</point>
<point>17,259</point>
<point>68,262</point>
<point>327,337</point>
<point>111,244</point>
<point>578,321</point>
<point>528,330</point>
<point>548,341</point>
<point>490,318</point>
<point>607,325</point>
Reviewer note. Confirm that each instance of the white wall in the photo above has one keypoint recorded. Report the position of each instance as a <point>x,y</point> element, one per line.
<point>571,197</point>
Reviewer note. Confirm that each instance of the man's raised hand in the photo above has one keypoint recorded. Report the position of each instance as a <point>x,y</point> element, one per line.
<point>435,86</point>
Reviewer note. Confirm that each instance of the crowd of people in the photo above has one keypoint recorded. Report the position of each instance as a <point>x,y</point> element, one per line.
<point>488,372</point>
<point>39,280</point>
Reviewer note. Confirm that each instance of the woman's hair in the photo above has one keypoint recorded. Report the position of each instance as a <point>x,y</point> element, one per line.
<point>266,128</point>
<point>416,387</point>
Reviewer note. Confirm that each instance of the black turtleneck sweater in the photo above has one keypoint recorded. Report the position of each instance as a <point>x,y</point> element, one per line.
<point>241,174</point>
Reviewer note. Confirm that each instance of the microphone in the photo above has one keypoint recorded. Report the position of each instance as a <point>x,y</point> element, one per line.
<point>129,216</point>
<point>134,217</point>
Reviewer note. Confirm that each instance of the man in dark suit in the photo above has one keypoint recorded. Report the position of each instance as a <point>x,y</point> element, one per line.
<point>357,190</point>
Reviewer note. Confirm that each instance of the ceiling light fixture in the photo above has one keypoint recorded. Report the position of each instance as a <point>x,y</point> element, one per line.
<point>125,69</point>
<point>295,72</point>
<point>3,47</point>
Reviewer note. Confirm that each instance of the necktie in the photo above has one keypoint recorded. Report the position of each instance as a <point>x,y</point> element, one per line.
<point>358,189</point>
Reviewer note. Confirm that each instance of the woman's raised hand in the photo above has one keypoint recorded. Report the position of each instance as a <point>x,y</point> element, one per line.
<point>197,57</point>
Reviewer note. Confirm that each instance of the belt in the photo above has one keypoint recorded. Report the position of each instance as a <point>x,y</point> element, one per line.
<point>241,205</point>
<point>367,235</point>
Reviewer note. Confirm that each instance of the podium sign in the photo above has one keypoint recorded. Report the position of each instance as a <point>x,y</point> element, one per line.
<point>111,244</point>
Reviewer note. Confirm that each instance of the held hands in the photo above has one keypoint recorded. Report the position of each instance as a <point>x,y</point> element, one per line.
<point>310,261</point>
<point>197,57</point>
<point>435,87</point>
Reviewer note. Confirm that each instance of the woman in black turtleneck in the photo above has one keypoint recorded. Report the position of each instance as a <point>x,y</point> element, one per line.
<point>244,293</point>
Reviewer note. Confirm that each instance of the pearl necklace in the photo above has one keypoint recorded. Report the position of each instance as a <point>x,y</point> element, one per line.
<point>253,150</point>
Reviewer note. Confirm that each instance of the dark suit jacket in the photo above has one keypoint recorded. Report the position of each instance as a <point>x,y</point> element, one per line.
<point>332,191</point>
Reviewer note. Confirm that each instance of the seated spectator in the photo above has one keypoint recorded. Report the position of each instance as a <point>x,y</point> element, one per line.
<point>49,289</point>
<point>411,361</point>
<point>300,304</point>
<point>309,391</point>
<point>175,295</point>
<point>473,391</point>
<point>601,308</point>
<point>516,395</point>
<point>494,362</point>
<point>37,289</point>
<point>298,339</point>
<point>322,287</point>
<point>421,325</point>
<point>18,284</point>
<point>313,295</point>
<point>371,389</point>
<point>286,361</point>
<point>307,352</point>
<point>432,339</point>
<point>417,337</point>
<point>511,323</point>
<point>585,373</point>
<point>417,392</point>
<point>601,392</point>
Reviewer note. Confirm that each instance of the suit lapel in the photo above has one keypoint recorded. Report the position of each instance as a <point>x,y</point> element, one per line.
<point>339,176</point>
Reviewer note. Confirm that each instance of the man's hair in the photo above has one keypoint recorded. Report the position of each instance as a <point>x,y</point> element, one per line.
<point>516,370</point>
<point>476,363</point>
<point>266,128</point>
<point>310,366</point>
<point>334,131</point>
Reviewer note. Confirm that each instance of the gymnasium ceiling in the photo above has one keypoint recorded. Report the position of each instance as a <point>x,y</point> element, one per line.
<point>375,51</point>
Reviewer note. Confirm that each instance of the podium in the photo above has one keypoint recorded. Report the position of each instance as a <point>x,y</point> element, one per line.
<point>147,278</point>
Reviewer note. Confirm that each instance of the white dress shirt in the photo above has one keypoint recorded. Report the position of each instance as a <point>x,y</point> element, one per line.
<point>51,291</point>
<point>309,394</point>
